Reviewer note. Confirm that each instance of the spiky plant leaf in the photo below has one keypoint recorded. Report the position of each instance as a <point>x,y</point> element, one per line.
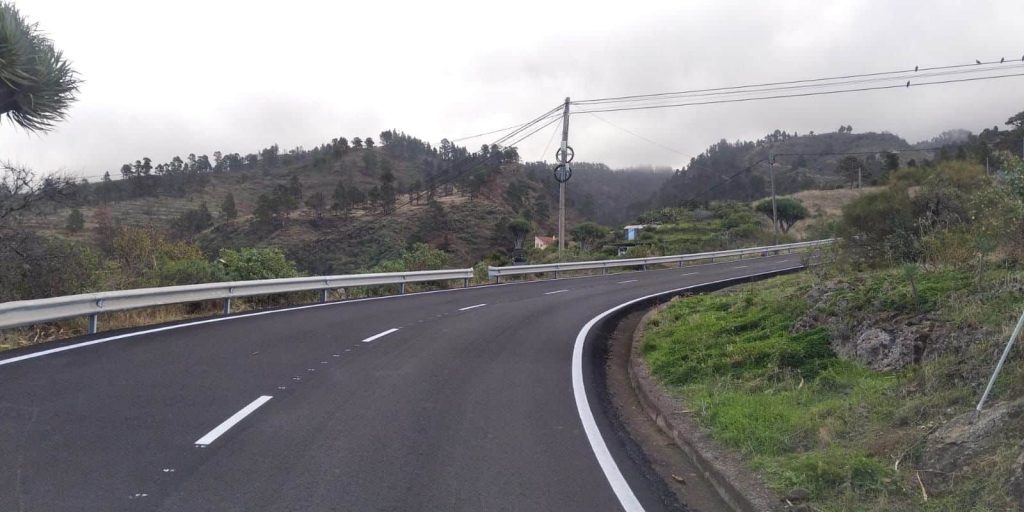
<point>37,84</point>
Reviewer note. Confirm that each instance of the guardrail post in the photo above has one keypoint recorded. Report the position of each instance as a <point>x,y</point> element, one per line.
<point>556,274</point>
<point>497,279</point>
<point>680,263</point>
<point>605,269</point>
<point>323,295</point>
<point>401,289</point>
<point>94,321</point>
<point>465,282</point>
<point>645,267</point>
<point>227,306</point>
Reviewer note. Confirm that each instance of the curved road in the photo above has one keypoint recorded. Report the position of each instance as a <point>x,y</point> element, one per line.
<point>468,406</point>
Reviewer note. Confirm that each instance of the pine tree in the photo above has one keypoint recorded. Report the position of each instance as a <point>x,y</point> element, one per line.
<point>227,208</point>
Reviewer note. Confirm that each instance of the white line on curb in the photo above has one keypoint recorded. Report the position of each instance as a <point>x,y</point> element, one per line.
<point>219,430</point>
<point>611,470</point>
<point>379,335</point>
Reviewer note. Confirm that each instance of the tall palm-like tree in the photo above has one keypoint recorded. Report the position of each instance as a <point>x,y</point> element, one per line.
<point>37,83</point>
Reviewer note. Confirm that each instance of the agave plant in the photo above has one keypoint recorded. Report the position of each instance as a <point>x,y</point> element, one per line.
<point>37,83</point>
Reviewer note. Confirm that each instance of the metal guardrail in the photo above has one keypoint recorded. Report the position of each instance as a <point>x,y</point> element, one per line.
<point>27,312</point>
<point>498,272</point>
<point>91,305</point>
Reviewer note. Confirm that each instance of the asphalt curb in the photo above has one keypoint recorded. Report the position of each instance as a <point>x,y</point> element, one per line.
<point>741,489</point>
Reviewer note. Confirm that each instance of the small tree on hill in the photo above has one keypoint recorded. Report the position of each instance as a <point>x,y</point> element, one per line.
<point>848,168</point>
<point>227,208</point>
<point>789,210</point>
<point>317,202</point>
<point>1016,121</point>
<point>588,235</point>
<point>518,228</point>
<point>75,221</point>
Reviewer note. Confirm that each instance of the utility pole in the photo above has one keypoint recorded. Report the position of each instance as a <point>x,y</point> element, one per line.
<point>860,184</point>
<point>561,185</point>
<point>775,211</point>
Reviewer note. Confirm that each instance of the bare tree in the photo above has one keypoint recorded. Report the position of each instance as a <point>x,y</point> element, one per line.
<point>22,191</point>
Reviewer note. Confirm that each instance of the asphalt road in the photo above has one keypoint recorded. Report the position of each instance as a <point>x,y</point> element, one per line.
<point>461,408</point>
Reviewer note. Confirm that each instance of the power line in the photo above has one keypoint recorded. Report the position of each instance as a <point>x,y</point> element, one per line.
<point>637,135</point>
<point>790,82</point>
<point>550,140</point>
<point>515,126</point>
<point>798,95</point>
<point>545,125</point>
<point>895,78</point>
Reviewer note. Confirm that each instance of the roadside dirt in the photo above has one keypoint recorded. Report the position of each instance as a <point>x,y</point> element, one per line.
<point>690,487</point>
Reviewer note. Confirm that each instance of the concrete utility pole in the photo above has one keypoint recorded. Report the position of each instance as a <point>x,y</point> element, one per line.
<point>561,185</point>
<point>775,211</point>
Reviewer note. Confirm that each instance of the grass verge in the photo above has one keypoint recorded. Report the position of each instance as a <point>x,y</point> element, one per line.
<point>805,418</point>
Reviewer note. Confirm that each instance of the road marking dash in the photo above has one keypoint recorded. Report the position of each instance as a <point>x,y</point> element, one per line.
<point>629,281</point>
<point>380,335</point>
<point>467,308</point>
<point>219,430</point>
<point>691,273</point>
<point>556,291</point>
<point>742,266</point>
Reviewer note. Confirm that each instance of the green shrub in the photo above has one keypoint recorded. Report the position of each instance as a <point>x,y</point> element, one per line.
<point>256,263</point>
<point>189,271</point>
<point>879,228</point>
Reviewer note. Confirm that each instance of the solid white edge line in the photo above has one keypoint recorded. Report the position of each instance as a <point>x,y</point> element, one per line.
<point>380,335</point>
<point>219,430</point>
<point>556,291</point>
<point>132,334</point>
<point>611,470</point>
<point>467,308</point>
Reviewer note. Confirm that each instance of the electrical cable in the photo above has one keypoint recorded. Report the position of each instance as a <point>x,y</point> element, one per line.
<point>637,135</point>
<point>790,82</point>
<point>799,95</point>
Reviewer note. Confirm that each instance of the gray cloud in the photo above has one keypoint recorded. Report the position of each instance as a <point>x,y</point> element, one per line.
<point>199,76</point>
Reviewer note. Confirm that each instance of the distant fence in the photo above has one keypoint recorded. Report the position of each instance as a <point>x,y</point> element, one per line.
<point>497,273</point>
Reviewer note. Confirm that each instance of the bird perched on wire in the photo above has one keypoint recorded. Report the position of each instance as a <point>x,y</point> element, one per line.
<point>977,61</point>
<point>908,83</point>
<point>915,69</point>
<point>1002,60</point>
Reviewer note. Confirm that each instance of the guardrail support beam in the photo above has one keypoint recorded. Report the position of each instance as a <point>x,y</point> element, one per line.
<point>323,295</point>
<point>465,283</point>
<point>227,306</point>
<point>94,323</point>
<point>401,289</point>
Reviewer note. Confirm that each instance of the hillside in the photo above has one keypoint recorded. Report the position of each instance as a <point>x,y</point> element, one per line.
<point>740,170</point>
<point>447,197</point>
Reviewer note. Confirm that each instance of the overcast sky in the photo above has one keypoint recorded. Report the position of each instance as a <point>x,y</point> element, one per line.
<point>174,77</point>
